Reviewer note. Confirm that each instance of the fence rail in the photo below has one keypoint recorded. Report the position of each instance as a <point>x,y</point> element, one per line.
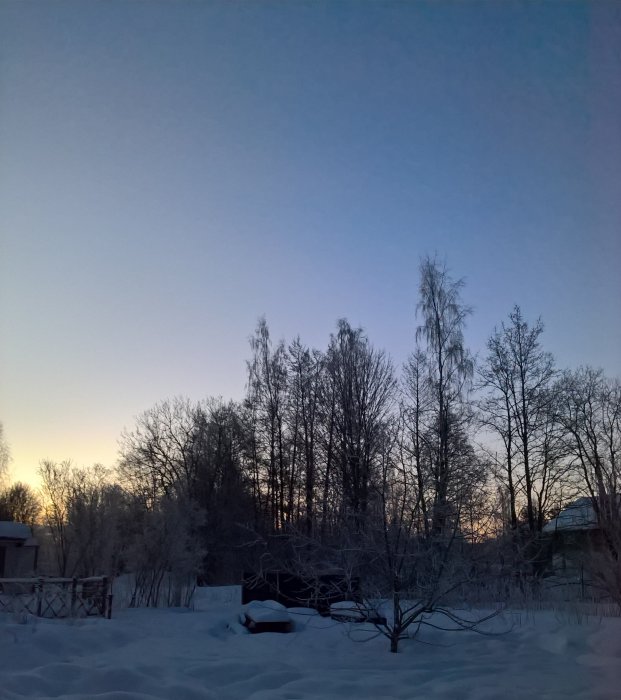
<point>57,597</point>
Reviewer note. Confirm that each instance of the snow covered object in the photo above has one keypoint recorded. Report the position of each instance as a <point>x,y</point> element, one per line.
<point>266,616</point>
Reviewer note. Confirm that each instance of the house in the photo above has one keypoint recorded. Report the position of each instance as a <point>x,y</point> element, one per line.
<point>573,535</point>
<point>18,550</point>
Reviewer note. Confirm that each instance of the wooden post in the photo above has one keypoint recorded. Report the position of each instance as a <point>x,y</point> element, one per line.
<point>108,597</point>
<point>39,591</point>
<point>74,595</point>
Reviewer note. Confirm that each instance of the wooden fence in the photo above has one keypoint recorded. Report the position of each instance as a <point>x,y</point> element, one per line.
<point>57,597</point>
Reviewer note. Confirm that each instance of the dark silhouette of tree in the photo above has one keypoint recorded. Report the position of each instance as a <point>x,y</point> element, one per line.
<point>267,403</point>
<point>519,375</point>
<point>364,394</point>
<point>306,371</point>
<point>449,367</point>
<point>20,503</point>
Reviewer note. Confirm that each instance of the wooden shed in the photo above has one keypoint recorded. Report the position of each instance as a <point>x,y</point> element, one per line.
<point>18,550</point>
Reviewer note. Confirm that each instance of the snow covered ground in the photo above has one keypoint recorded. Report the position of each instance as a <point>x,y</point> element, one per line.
<point>180,654</point>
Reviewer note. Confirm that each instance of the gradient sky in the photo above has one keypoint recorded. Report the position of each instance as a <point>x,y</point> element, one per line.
<point>169,171</point>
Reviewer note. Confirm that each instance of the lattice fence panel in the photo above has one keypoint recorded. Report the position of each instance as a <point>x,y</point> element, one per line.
<point>57,597</point>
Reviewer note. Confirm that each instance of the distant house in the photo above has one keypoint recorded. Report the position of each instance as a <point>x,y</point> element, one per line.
<point>573,534</point>
<point>18,550</point>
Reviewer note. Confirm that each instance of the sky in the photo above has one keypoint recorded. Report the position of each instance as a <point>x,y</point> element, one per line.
<point>172,171</point>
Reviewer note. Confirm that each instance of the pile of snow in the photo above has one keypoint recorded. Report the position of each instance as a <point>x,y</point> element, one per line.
<point>266,616</point>
<point>348,610</point>
<point>267,611</point>
<point>194,655</point>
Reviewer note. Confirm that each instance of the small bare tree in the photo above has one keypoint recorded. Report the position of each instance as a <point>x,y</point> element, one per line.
<point>165,555</point>
<point>20,503</point>
<point>420,571</point>
<point>56,495</point>
<point>83,511</point>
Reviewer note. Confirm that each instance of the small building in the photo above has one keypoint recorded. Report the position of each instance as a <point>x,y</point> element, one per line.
<point>573,535</point>
<point>18,550</point>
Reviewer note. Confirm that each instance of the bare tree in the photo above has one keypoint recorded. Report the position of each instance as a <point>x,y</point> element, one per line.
<point>449,368</point>
<point>56,495</point>
<point>496,415</point>
<point>195,450</point>
<point>20,503</point>
<point>306,367</point>
<point>554,481</point>
<point>83,512</point>
<point>519,408</point>
<point>364,391</point>
<point>331,495</point>
<point>591,414</point>
<point>164,450</point>
<point>396,575</point>
<point>164,556</point>
<point>96,514</point>
<point>266,400</point>
<point>222,489</point>
<point>418,445</point>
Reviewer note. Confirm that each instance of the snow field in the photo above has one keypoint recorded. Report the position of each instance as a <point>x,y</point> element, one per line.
<point>178,654</point>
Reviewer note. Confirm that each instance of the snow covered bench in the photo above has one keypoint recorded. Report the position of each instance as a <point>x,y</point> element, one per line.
<point>266,616</point>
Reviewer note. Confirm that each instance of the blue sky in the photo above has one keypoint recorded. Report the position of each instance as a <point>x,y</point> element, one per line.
<point>170,171</point>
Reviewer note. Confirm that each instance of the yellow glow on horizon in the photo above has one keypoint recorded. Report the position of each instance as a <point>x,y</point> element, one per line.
<point>26,459</point>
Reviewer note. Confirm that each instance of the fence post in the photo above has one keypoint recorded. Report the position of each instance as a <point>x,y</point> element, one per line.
<point>107,598</point>
<point>74,595</point>
<point>39,591</point>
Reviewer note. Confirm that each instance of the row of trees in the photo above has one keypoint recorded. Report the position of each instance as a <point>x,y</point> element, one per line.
<point>335,446</point>
<point>307,447</point>
<point>310,446</point>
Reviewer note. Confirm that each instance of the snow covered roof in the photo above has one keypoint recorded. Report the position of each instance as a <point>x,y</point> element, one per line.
<point>579,515</point>
<point>14,531</point>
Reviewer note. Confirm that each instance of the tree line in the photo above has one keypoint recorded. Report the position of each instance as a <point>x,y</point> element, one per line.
<point>336,445</point>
